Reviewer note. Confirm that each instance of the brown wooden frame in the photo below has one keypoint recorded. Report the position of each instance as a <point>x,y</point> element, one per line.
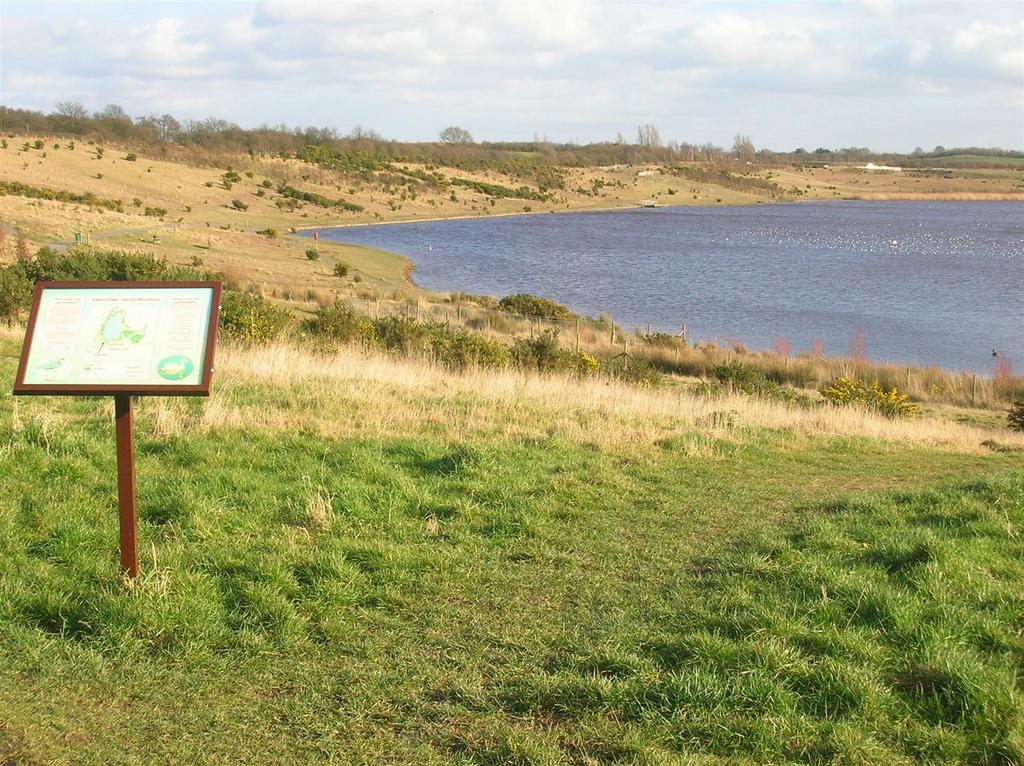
<point>57,389</point>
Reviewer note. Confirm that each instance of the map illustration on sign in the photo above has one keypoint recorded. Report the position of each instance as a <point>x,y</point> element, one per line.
<point>120,336</point>
<point>116,329</point>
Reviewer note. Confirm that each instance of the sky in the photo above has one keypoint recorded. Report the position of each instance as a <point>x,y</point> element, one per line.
<point>888,75</point>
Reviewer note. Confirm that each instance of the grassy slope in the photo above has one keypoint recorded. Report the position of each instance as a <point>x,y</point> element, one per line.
<point>419,597</point>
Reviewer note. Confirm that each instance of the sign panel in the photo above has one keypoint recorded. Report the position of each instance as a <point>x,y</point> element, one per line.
<point>88,338</point>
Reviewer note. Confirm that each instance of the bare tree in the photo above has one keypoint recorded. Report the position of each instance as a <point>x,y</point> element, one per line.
<point>73,110</point>
<point>648,135</point>
<point>112,112</point>
<point>743,148</point>
<point>455,135</point>
<point>359,133</point>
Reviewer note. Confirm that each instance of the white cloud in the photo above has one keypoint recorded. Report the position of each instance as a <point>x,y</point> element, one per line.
<point>1002,47</point>
<point>521,67</point>
<point>736,40</point>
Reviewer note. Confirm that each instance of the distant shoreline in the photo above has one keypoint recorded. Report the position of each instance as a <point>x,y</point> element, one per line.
<point>964,197</point>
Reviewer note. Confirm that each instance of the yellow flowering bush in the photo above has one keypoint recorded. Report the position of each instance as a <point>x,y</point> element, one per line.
<point>851,391</point>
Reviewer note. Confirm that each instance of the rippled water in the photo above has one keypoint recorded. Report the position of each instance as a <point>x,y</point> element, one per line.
<point>927,282</point>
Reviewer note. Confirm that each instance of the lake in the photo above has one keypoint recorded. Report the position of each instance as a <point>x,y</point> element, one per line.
<point>926,282</point>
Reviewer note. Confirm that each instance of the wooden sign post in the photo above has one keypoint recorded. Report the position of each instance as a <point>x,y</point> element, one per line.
<point>121,339</point>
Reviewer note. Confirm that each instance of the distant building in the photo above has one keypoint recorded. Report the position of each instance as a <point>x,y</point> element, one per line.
<point>887,168</point>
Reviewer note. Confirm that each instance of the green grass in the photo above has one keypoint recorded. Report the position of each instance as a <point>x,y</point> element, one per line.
<point>411,600</point>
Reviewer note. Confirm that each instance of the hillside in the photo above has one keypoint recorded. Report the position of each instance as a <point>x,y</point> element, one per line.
<point>192,210</point>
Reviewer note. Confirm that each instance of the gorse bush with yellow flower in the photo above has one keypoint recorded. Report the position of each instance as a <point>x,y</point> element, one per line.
<point>852,391</point>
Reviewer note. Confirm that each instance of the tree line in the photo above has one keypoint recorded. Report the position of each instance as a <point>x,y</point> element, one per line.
<point>455,146</point>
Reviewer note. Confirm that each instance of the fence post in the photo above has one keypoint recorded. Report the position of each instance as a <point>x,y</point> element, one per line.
<point>577,335</point>
<point>459,310</point>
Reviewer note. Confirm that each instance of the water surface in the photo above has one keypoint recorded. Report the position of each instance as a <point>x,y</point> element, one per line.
<point>927,282</point>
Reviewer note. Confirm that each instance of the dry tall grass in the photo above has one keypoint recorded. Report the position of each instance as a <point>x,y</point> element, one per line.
<point>604,339</point>
<point>360,393</point>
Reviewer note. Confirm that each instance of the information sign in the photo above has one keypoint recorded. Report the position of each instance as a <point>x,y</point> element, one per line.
<point>123,339</point>
<point>120,337</point>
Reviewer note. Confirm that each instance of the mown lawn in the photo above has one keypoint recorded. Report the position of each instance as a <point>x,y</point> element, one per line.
<point>487,602</point>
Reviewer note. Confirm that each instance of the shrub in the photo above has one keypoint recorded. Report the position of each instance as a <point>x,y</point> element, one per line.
<point>250,318</point>
<point>39,143</point>
<point>16,188</point>
<point>155,212</point>
<point>268,233</point>
<point>267,183</point>
<point>291,193</point>
<point>1015,420</point>
<point>15,294</point>
<point>751,381</point>
<point>532,306</point>
<point>99,152</point>
<point>639,372</point>
<point>313,255</point>
<point>338,322</point>
<point>340,269</point>
<point>237,204</point>
<point>137,201</point>
<point>851,391</point>
<point>543,354</point>
<point>400,333</point>
<point>77,265</point>
<point>131,157</point>
<point>458,349</point>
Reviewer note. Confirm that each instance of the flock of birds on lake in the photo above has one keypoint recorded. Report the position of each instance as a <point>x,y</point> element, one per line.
<point>881,242</point>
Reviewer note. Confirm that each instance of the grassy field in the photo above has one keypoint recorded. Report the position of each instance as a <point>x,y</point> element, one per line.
<point>351,557</point>
<point>358,559</point>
